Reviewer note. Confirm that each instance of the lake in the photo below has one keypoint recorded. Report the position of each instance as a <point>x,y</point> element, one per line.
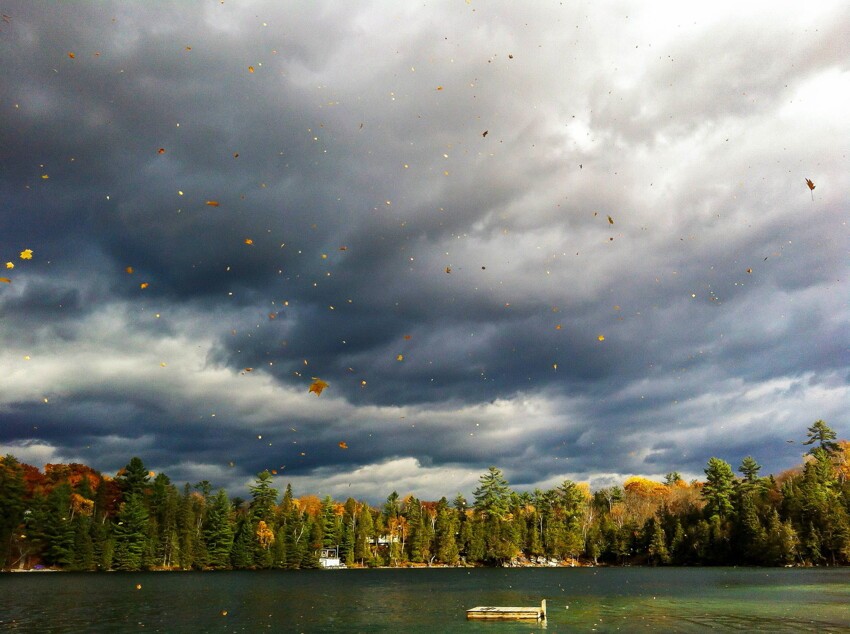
<point>430,600</point>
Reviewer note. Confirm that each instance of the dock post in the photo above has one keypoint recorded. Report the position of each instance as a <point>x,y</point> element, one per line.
<point>543,608</point>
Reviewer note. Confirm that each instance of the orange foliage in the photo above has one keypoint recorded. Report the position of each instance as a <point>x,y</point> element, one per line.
<point>81,505</point>
<point>645,488</point>
<point>265,535</point>
<point>310,504</point>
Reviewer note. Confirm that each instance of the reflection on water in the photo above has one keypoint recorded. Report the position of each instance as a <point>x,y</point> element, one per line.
<point>600,599</point>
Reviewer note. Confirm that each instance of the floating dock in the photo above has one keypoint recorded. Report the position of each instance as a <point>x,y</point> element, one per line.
<point>509,613</point>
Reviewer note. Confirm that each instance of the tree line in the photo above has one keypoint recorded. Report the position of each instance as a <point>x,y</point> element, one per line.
<point>73,517</point>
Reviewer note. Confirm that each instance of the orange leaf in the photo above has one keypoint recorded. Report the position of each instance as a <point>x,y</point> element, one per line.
<point>161,150</point>
<point>5,280</point>
<point>250,69</point>
<point>212,203</point>
<point>343,445</point>
<point>249,241</point>
<point>317,386</point>
<point>810,184</point>
<point>71,55</point>
<point>129,270</point>
<point>408,337</point>
<point>144,285</point>
<point>272,315</point>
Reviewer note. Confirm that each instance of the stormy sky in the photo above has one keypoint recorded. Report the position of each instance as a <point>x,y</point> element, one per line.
<point>569,239</point>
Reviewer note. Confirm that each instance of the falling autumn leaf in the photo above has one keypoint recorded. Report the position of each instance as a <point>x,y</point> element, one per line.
<point>144,285</point>
<point>811,188</point>
<point>10,265</point>
<point>601,337</point>
<point>317,386</point>
<point>343,248</point>
<point>610,220</point>
<point>212,203</point>
<point>485,133</point>
<point>749,270</point>
<point>342,444</point>
<point>408,337</point>
<point>161,150</point>
<point>439,87</point>
<point>399,357</point>
<point>129,270</point>
<point>272,315</point>
<point>250,69</point>
<point>71,55</point>
<point>26,254</point>
<point>448,269</point>
<point>5,280</point>
<point>249,241</point>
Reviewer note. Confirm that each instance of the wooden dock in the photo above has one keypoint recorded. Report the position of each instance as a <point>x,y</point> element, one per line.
<point>509,613</point>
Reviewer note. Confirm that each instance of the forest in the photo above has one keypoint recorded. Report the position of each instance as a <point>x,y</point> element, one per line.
<point>72,517</point>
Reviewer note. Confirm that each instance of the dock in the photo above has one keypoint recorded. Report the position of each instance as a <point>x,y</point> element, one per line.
<point>509,613</point>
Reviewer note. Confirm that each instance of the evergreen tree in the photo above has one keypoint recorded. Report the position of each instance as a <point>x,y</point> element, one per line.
<point>263,498</point>
<point>445,529</point>
<point>491,496</point>
<point>58,532</point>
<point>131,534</point>
<point>821,433</point>
<point>718,488</point>
<point>133,479</point>
<point>242,553</point>
<point>218,532</point>
<point>12,505</point>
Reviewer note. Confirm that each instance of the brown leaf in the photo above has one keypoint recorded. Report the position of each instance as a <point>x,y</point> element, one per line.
<point>317,387</point>
<point>342,444</point>
<point>810,184</point>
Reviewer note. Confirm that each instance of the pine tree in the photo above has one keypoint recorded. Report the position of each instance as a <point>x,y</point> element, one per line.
<point>491,496</point>
<point>218,532</point>
<point>12,505</point>
<point>718,488</point>
<point>133,478</point>
<point>131,534</point>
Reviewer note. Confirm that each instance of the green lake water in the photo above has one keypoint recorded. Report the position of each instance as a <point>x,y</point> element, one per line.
<point>430,600</point>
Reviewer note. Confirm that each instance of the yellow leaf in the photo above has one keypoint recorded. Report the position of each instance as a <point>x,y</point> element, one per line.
<point>45,176</point>
<point>400,357</point>
<point>249,241</point>
<point>317,386</point>
<point>10,265</point>
<point>601,337</point>
<point>26,254</point>
<point>144,285</point>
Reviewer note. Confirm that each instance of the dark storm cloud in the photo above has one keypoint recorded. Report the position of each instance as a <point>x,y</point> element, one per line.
<point>363,214</point>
